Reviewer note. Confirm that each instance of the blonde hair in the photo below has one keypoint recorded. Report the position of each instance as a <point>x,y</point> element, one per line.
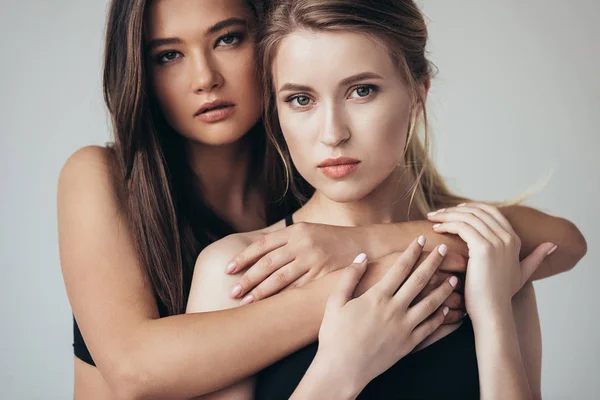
<point>400,26</point>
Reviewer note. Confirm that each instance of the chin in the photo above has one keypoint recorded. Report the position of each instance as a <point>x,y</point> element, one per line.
<point>217,135</point>
<point>347,194</point>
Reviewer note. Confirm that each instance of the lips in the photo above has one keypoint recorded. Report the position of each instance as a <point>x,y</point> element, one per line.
<point>215,111</point>
<point>213,105</point>
<point>337,168</point>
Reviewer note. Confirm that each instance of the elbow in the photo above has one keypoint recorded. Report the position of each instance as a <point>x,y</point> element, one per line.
<point>576,245</point>
<point>128,379</point>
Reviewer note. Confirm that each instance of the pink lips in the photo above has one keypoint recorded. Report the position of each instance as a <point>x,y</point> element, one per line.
<point>215,111</point>
<point>338,168</point>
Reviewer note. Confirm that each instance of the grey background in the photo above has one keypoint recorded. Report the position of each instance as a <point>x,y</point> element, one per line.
<point>517,97</point>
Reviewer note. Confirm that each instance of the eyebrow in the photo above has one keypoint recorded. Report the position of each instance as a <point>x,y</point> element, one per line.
<point>346,82</point>
<point>226,23</point>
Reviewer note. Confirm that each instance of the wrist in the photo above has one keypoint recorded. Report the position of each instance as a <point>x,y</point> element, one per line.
<point>334,378</point>
<point>493,316</point>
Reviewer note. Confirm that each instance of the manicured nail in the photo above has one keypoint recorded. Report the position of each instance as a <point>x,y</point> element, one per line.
<point>431,214</point>
<point>461,205</point>
<point>421,240</point>
<point>360,258</point>
<point>442,210</point>
<point>436,226</point>
<point>445,311</point>
<point>236,290</point>
<point>230,267</point>
<point>247,300</point>
<point>443,249</point>
<point>552,250</point>
<point>453,281</point>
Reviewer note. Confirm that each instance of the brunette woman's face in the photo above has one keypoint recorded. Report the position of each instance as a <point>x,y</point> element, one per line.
<point>200,55</point>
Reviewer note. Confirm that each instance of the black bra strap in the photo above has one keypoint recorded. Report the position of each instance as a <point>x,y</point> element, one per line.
<point>289,220</point>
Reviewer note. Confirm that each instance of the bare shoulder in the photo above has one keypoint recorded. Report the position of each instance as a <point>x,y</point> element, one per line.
<point>211,285</point>
<point>88,174</point>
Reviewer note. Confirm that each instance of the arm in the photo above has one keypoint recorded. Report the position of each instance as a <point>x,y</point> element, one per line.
<point>502,373</point>
<point>529,332</point>
<point>138,353</point>
<point>208,292</point>
<point>533,228</point>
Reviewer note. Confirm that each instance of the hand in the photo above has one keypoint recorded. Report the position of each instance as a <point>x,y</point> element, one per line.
<point>365,336</point>
<point>453,264</point>
<point>494,272</point>
<point>293,256</point>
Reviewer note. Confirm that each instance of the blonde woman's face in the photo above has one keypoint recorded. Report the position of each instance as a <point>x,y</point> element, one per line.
<point>201,61</point>
<point>344,110</point>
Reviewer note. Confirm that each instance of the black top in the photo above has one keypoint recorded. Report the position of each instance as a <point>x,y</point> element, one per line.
<point>447,369</point>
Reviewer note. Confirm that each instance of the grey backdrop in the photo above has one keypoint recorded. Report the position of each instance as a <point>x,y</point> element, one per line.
<point>517,96</point>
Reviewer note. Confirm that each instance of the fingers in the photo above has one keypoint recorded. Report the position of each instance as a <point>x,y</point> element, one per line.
<point>481,225</point>
<point>274,283</point>
<point>420,277</point>
<point>257,249</point>
<point>455,301</point>
<point>454,262</point>
<point>466,232</point>
<point>424,308</point>
<point>346,286</point>
<point>531,263</point>
<point>469,214</point>
<point>266,267</point>
<point>391,281</point>
<point>427,327</point>
<point>495,212</point>
<point>454,316</point>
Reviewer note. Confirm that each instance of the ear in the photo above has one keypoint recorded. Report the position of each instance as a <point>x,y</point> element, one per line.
<point>423,88</point>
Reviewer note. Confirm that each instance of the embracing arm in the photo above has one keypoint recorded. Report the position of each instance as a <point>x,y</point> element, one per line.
<point>532,226</point>
<point>139,354</point>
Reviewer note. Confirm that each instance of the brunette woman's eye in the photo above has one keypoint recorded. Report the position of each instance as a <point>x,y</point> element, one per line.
<point>168,57</point>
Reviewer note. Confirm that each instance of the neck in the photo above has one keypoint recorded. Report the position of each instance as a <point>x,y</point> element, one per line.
<point>389,202</point>
<point>224,177</point>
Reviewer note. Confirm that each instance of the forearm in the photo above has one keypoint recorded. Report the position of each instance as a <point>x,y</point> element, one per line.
<point>534,228</point>
<point>193,354</point>
<point>502,373</point>
<point>382,239</point>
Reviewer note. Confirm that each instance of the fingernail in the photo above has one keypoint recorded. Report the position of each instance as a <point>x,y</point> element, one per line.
<point>436,226</point>
<point>445,311</point>
<point>247,300</point>
<point>453,281</point>
<point>421,240</point>
<point>461,205</point>
<point>236,290</point>
<point>552,250</point>
<point>360,258</point>
<point>443,249</point>
<point>431,214</point>
<point>442,210</point>
<point>230,267</point>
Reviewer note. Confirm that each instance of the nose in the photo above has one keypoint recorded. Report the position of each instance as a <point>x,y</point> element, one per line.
<point>205,74</point>
<point>335,131</point>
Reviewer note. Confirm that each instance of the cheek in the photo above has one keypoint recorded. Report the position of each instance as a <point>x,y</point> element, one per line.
<point>384,132</point>
<point>169,90</point>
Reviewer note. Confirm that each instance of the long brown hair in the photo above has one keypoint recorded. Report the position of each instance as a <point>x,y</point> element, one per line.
<point>400,26</point>
<point>169,222</point>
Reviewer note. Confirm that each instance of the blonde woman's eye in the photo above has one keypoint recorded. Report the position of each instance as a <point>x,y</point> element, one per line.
<point>362,91</point>
<point>299,101</point>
